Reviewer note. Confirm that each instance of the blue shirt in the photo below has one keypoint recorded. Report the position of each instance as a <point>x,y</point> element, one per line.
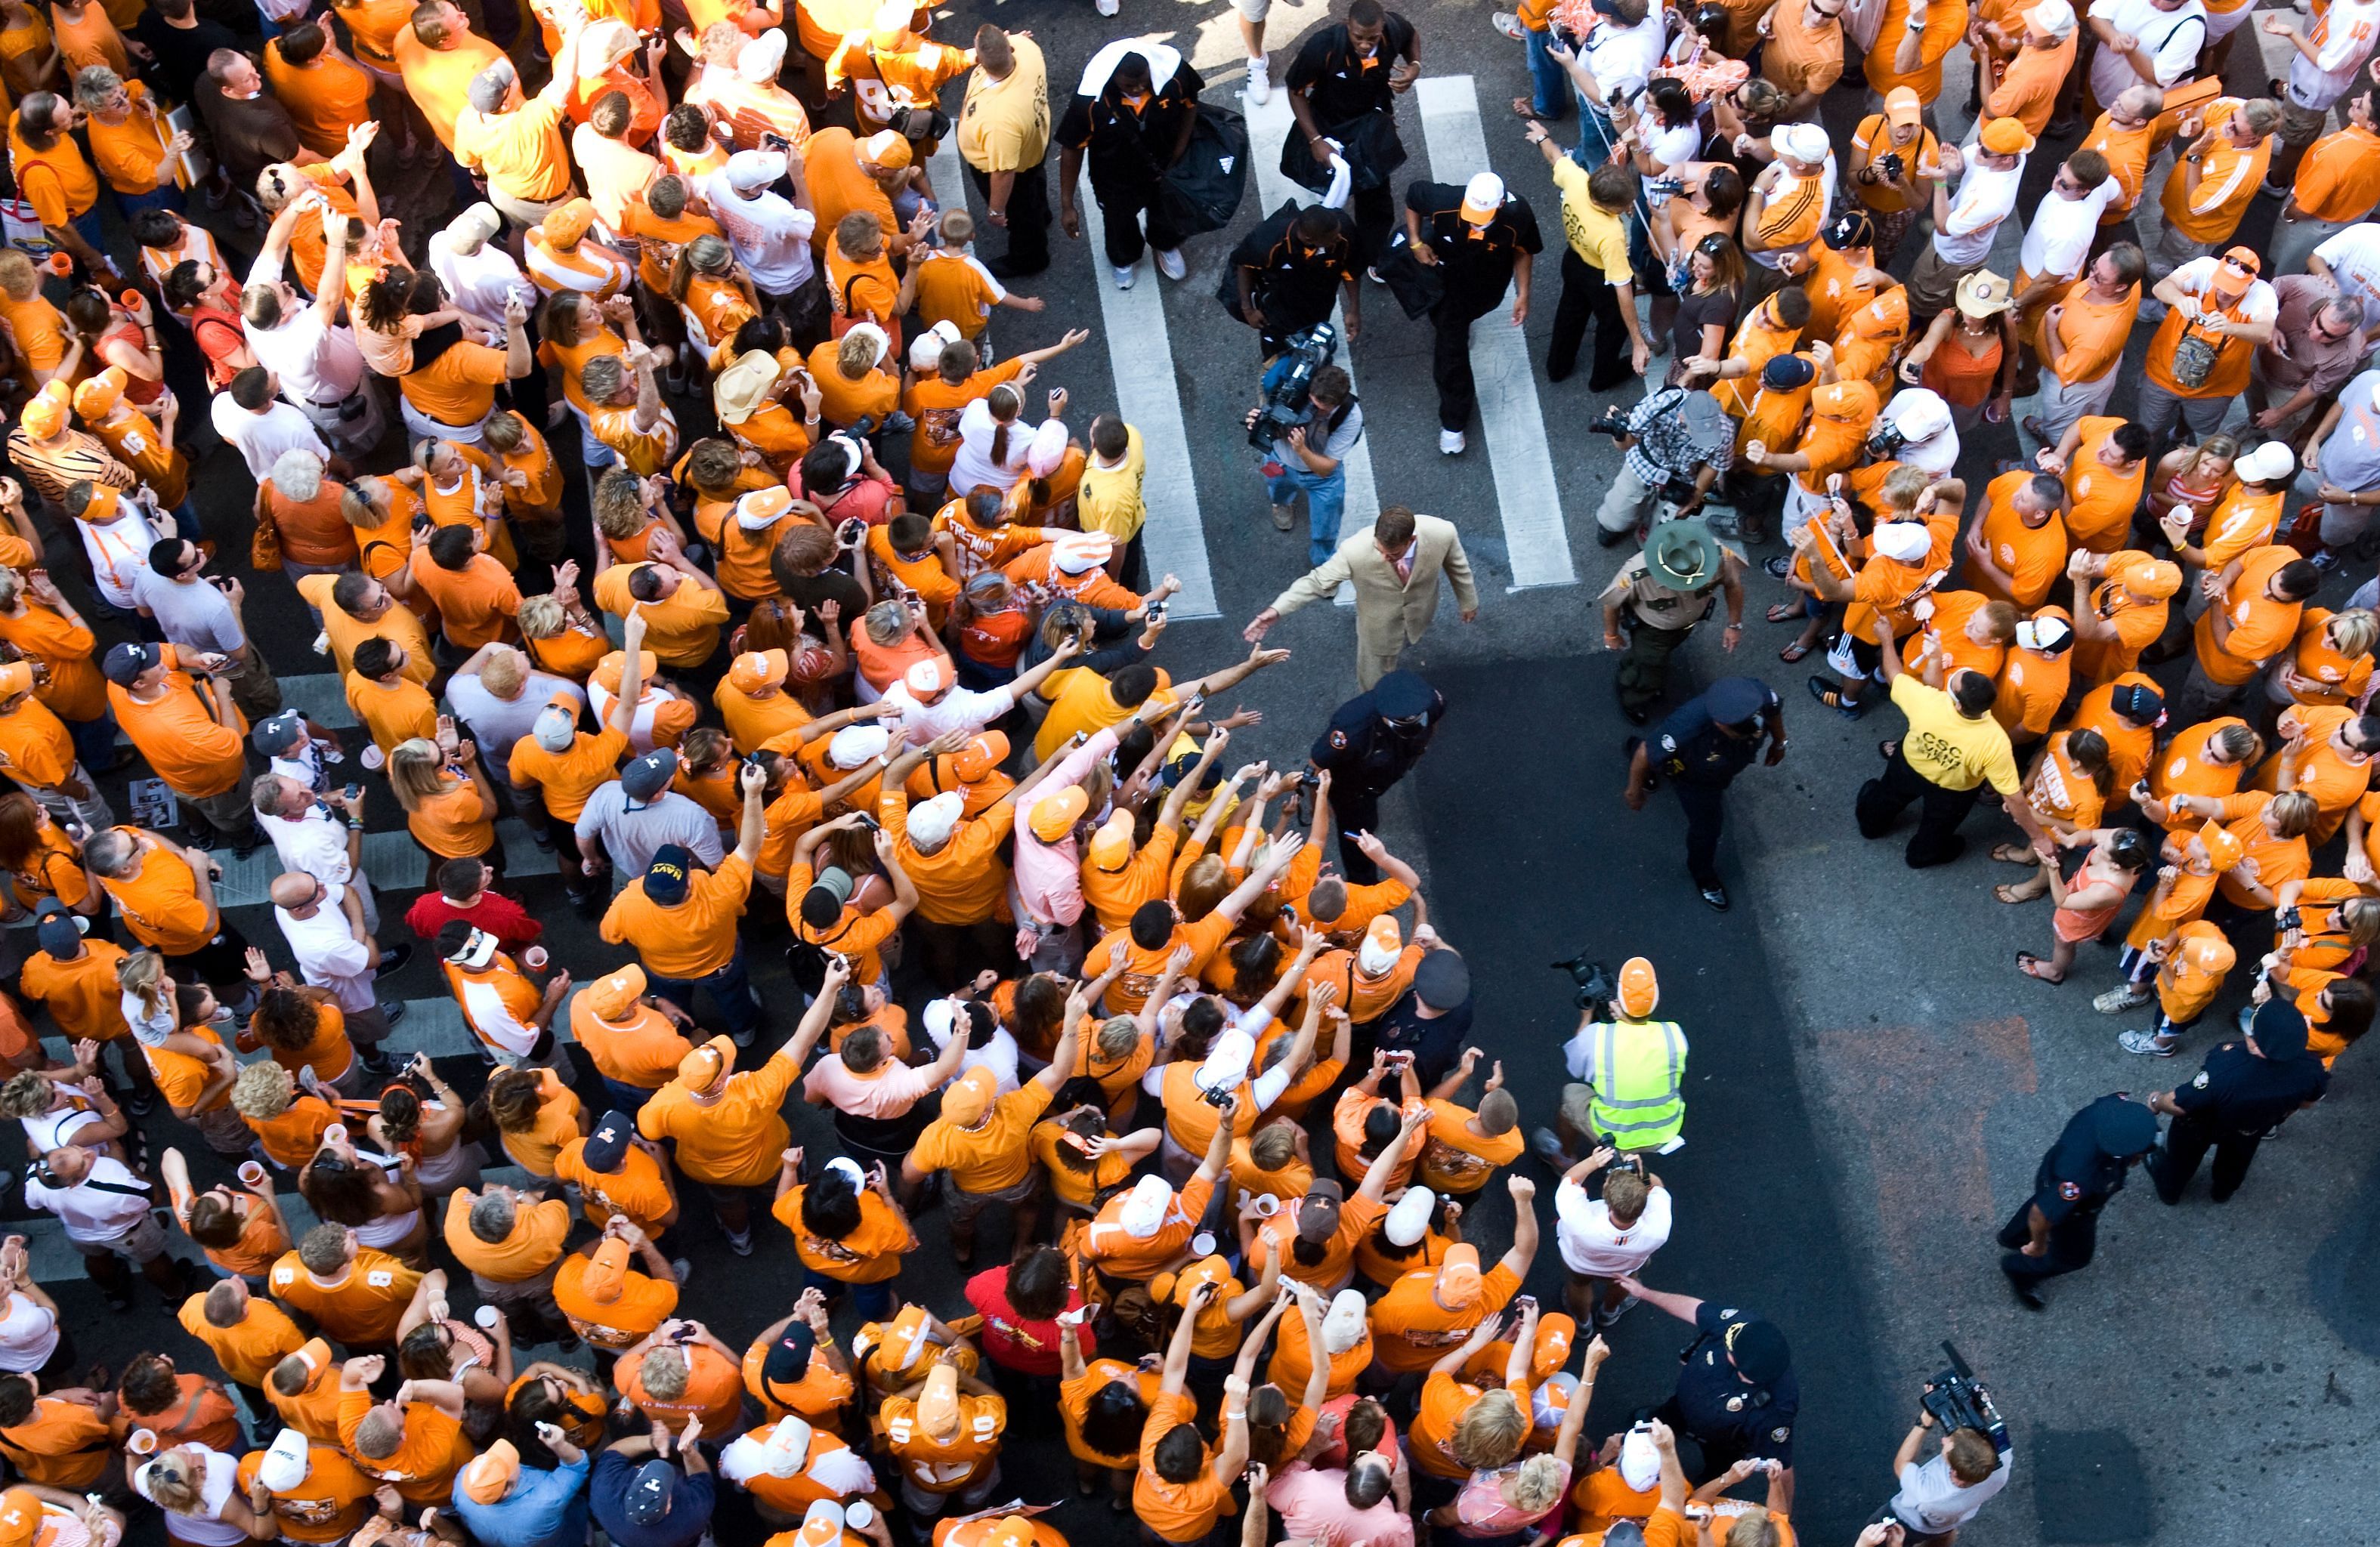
<point>544,1509</point>
<point>690,1505</point>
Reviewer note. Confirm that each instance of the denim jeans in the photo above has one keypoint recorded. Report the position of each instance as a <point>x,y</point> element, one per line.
<point>166,196</point>
<point>1549,88</point>
<point>731,989</point>
<point>1326,501</point>
<point>1595,135</point>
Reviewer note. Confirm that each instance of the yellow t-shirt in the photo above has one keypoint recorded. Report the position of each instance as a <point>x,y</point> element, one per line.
<point>1594,234</point>
<point>1109,499</point>
<point>1948,748</point>
<point>1004,124</point>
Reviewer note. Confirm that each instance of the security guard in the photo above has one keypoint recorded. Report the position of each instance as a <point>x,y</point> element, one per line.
<point>1658,597</point>
<point>1697,751</point>
<point>1480,240</point>
<point>2245,1090</point>
<point>1372,740</point>
<point>1285,274</point>
<point>1737,1395</point>
<point>2057,1230</point>
<point>1630,1071</point>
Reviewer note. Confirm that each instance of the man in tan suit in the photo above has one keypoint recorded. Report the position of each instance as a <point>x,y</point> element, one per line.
<point>1395,569</point>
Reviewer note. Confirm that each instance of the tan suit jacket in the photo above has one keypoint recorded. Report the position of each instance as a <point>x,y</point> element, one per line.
<point>1389,614</point>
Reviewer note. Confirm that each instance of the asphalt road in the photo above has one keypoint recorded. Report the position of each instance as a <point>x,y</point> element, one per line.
<point>1871,1082</point>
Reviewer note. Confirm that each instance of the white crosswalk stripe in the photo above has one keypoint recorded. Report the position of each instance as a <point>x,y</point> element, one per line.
<point>1268,125</point>
<point>1536,543</point>
<point>1140,354</point>
<point>393,860</point>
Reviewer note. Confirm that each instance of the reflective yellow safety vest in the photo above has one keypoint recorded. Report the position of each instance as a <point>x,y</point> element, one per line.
<point>1637,1068</point>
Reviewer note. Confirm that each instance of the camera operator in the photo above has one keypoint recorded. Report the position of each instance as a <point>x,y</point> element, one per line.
<point>1676,435</point>
<point>1943,1493</point>
<point>1306,459</point>
<point>1285,273</point>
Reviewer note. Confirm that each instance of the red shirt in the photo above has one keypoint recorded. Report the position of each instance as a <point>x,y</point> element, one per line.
<point>501,916</point>
<point>1026,1345</point>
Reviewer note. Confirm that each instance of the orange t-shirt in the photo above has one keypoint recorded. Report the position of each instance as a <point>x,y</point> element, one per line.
<point>455,823</point>
<point>65,1445</point>
<point>989,1158</point>
<point>363,1309</point>
<point>327,1506</point>
<point>1184,1512</point>
<point>2261,626</point>
<point>195,754</point>
<point>161,904</point>
<point>325,97</point>
<point>714,1390</point>
<point>1412,1331</point>
<point>2340,178</point>
<point>643,1304</point>
<point>423,1465</point>
<point>734,1141</point>
<point>644,1051</point>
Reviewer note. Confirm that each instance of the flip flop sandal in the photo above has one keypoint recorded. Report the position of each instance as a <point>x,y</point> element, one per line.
<point>2030,965</point>
<point>1794,652</point>
<point>1785,612</point>
<point>1884,749</point>
<point>2008,894</point>
<point>2014,854</point>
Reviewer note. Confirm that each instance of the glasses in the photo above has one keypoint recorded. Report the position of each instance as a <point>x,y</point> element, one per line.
<point>2237,267</point>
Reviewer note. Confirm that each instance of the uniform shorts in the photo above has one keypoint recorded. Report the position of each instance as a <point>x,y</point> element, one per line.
<point>1255,10</point>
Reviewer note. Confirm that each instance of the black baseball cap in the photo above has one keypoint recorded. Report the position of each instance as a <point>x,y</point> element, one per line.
<point>789,1356</point>
<point>666,877</point>
<point>649,1493</point>
<point>608,1145</point>
<point>126,662</point>
<point>1402,696</point>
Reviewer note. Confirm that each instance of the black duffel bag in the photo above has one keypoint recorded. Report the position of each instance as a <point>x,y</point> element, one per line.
<point>1202,190</point>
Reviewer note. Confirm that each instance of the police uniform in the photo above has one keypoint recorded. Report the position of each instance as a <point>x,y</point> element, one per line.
<point>1737,1395</point>
<point>1694,757</point>
<point>1296,283</point>
<point>1476,264</point>
<point>1661,593</point>
<point>1442,985</point>
<point>1373,738</point>
<point>2241,1093</point>
<point>2082,1172</point>
<point>1126,150</point>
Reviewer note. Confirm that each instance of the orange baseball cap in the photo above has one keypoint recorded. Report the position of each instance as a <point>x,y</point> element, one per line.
<point>886,147</point>
<point>982,754</point>
<point>1640,990</point>
<point>492,1473</point>
<point>1458,1282</point>
<point>21,1518</point>
<point>46,413</point>
<point>568,224</point>
<point>706,1065</point>
<point>755,670</point>
<point>14,678</point>
<point>609,669</point>
<point>2007,137</point>
<point>1903,105</point>
<point>101,393</point>
<point>1556,1333</point>
<point>970,1095</point>
<point>1112,845</point>
<point>2223,848</point>
<point>612,996</point>
<point>2154,578</point>
<point>607,1271</point>
<point>1055,816</point>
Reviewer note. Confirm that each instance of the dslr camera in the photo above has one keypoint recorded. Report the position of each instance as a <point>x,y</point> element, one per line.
<point>1612,421</point>
<point>1289,384</point>
<point>1596,985</point>
<point>1884,441</point>
<point>1958,1400</point>
<point>1892,165</point>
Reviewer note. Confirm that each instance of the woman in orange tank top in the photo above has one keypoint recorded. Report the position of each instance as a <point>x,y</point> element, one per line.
<point>1969,354</point>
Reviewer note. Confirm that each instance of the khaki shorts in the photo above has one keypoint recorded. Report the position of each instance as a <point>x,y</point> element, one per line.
<point>141,1242</point>
<point>1578,1109</point>
<point>964,1206</point>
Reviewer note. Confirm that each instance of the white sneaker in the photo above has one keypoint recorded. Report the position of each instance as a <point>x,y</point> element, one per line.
<point>1259,81</point>
<point>1450,443</point>
<point>1507,23</point>
<point>1109,8</point>
<point>1123,276</point>
<point>1169,264</point>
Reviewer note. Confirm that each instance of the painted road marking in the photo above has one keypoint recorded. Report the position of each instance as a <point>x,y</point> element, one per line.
<point>1537,544</point>
<point>1268,126</point>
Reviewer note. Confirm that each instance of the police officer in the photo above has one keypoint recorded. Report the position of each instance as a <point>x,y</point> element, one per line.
<point>1480,240</point>
<point>1433,1021</point>
<point>2245,1090</point>
<point>1372,739</point>
<point>2057,1230</point>
<point>1131,118</point>
<point>1737,1395</point>
<point>1285,274</point>
<point>1697,751</point>
<point>1656,599</point>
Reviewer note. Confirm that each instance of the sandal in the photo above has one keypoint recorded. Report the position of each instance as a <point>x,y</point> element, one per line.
<point>1826,692</point>
<point>2016,853</point>
<point>2008,894</point>
<point>1794,652</point>
<point>1884,749</point>
<point>1786,611</point>
<point>2030,965</point>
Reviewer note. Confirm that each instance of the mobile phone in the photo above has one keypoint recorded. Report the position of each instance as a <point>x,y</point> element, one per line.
<point>353,791</point>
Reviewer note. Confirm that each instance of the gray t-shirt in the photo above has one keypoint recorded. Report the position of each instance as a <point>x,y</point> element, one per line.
<point>1335,445</point>
<point>2351,458</point>
<point>1931,1501</point>
<point>190,614</point>
<point>634,832</point>
<point>496,723</point>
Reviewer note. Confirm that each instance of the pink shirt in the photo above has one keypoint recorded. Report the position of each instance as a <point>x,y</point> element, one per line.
<point>1049,876</point>
<point>1313,1506</point>
<point>885,1094</point>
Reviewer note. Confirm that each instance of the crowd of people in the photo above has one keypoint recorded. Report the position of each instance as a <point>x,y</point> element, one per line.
<point>1104,993</point>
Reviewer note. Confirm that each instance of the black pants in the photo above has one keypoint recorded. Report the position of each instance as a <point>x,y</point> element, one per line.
<point>1882,800</point>
<point>2187,1139</point>
<point>1376,216</point>
<point>1355,811</point>
<point>2072,1241</point>
<point>1585,293</point>
<point>1028,219</point>
<point>221,963</point>
<point>1706,809</point>
<point>1450,361</point>
<point>1121,205</point>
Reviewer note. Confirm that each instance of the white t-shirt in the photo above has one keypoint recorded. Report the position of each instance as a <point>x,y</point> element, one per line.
<point>1591,1244</point>
<point>105,1204</point>
<point>119,550</point>
<point>959,709</point>
<point>2172,37</point>
<point>312,844</point>
<point>56,1130</point>
<point>29,1336</point>
<point>481,283</point>
<point>497,723</point>
<point>1930,1502</point>
<point>1624,57</point>
<point>770,234</point>
<point>1985,197</point>
<point>2354,256</point>
<point>2260,304</point>
<point>317,363</point>
<point>1938,454</point>
<point>329,955</point>
<point>204,1526</point>
<point>2058,240</point>
<point>261,438</point>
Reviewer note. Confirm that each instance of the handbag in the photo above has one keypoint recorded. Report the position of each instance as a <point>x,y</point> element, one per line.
<point>1201,191</point>
<point>1417,286</point>
<point>1368,142</point>
<point>265,545</point>
<point>23,229</point>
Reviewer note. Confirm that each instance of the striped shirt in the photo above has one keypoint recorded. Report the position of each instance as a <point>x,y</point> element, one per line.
<point>74,454</point>
<point>587,267</point>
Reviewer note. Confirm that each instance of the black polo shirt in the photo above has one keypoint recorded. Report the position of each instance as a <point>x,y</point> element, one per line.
<point>1340,84</point>
<point>1298,281</point>
<point>1127,147</point>
<point>1477,261</point>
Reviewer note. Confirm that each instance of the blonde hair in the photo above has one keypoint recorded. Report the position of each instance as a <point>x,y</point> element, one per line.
<point>855,358</point>
<point>506,670</point>
<point>1117,1036</point>
<point>2001,617</point>
<point>1534,1486</point>
<point>143,975</point>
<point>17,275</point>
<point>1489,1433</point>
<point>665,1372</point>
<point>1903,485</point>
<point>1273,1146</point>
<point>417,772</point>
<point>2225,446</point>
<point>887,623</point>
<point>2351,634</point>
<point>262,1092</point>
<point>173,1481</point>
<point>2292,814</point>
<point>618,520</point>
<point>542,617</point>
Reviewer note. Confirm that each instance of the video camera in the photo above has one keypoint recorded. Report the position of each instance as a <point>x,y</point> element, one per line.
<point>1290,382</point>
<point>1956,1400</point>
<point>1598,986</point>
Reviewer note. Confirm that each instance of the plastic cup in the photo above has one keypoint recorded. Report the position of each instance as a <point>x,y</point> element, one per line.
<point>534,958</point>
<point>335,1134</point>
<point>486,1317</point>
<point>250,1174</point>
<point>142,1441</point>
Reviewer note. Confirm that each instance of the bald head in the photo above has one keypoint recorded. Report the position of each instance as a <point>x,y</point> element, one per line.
<point>296,890</point>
